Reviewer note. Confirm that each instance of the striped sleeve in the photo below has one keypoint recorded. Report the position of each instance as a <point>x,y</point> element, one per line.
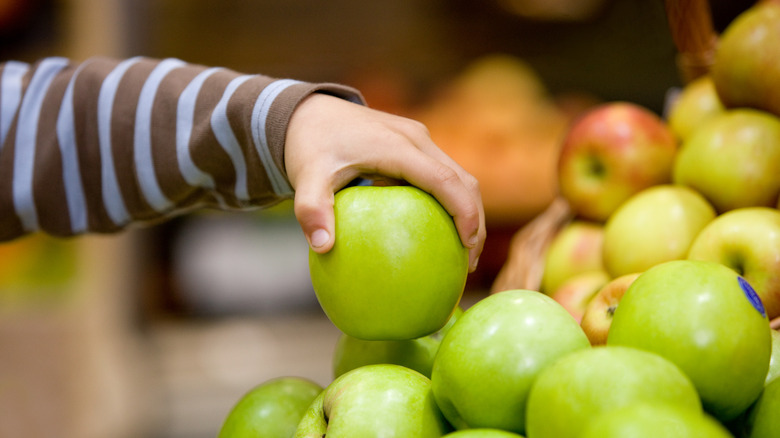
<point>100,145</point>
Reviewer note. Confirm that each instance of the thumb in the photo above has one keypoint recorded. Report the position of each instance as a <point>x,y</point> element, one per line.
<point>314,212</point>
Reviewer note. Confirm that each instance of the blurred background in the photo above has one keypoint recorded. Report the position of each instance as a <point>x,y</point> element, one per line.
<point>157,331</point>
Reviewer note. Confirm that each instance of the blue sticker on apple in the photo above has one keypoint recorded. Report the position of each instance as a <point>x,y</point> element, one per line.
<point>752,296</point>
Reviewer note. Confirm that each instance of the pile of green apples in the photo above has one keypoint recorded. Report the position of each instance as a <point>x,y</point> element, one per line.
<point>653,316</point>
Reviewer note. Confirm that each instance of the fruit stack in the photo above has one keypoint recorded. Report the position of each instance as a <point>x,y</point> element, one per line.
<point>652,316</point>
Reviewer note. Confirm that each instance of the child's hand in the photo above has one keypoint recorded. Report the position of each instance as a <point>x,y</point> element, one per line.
<point>331,141</point>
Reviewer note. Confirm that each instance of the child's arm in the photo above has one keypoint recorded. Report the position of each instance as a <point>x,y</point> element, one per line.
<point>100,145</point>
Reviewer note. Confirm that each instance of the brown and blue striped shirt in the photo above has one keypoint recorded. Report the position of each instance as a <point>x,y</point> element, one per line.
<point>98,145</point>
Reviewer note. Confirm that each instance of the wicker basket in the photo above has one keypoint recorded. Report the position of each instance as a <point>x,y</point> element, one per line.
<point>525,260</point>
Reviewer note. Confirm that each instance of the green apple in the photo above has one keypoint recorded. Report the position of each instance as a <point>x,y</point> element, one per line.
<point>598,314</point>
<point>696,104</point>
<point>576,292</point>
<point>774,360</point>
<point>652,420</point>
<point>706,319</point>
<point>482,433</point>
<point>746,240</point>
<point>272,409</point>
<point>579,387</point>
<point>654,226</point>
<point>574,250</point>
<point>492,354</point>
<point>733,160</point>
<point>381,400</point>
<point>417,354</point>
<point>398,268</point>
<point>747,61</point>
<point>763,420</point>
<point>610,153</point>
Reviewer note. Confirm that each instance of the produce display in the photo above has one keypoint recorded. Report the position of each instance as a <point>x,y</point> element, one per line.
<point>656,309</point>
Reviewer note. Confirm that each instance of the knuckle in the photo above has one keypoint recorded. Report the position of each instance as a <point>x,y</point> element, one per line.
<point>413,128</point>
<point>304,207</point>
<point>471,183</point>
<point>445,175</point>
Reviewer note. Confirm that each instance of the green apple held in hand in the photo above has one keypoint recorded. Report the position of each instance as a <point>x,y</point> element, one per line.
<point>652,420</point>
<point>746,240</point>
<point>576,293</point>
<point>271,410</point>
<point>417,354</point>
<point>612,152</point>
<point>574,250</point>
<point>747,62</point>
<point>492,354</point>
<point>696,104</point>
<point>733,160</point>
<point>656,225</point>
<point>705,318</point>
<point>597,317</point>
<point>581,386</point>
<point>398,268</point>
<point>384,400</point>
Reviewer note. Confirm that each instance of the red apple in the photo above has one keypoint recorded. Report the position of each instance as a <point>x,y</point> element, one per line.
<point>598,314</point>
<point>575,293</point>
<point>612,152</point>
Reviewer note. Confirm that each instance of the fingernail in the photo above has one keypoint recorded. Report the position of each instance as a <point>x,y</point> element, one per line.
<point>473,240</point>
<point>319,238</point>
<point>474,264</point>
